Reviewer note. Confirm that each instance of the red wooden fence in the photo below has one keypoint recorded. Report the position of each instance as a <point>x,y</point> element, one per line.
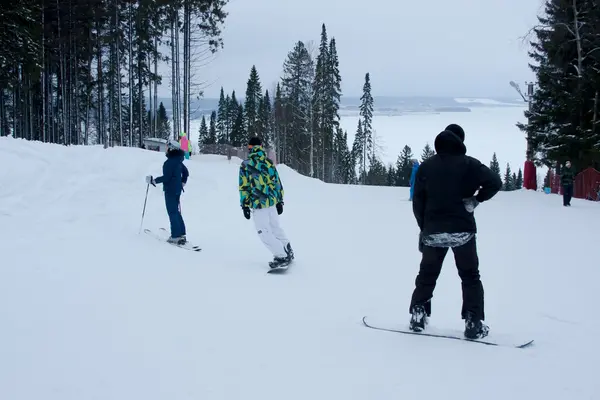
<point>586,185</point>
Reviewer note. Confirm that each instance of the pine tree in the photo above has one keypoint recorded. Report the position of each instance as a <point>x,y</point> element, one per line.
<point>203,137</point>
<point>509,184</point>
<point>391,176</point>
<point>377,175</point>
<point>563,115</point>
<point>227,115</point>
<point>347,165</point>
<point>222,116</point>
<point>404,167</point>
<point>519,180</point>
<point>279,122</point>
<point>427,152</point>
<point>322,128</point>
<point>495,166</point>
<point>251,106</point>
<point>296,90</point>
<point>358,149</point>
<point>238,129</point>
<point>265,120</point>
<point>163,130</point>
<point>366,113</point>
<point>548,178</point>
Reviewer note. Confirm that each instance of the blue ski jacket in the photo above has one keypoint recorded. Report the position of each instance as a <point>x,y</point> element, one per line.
<point>175,173</point>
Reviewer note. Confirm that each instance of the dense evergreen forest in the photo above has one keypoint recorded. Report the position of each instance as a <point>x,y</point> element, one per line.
<point>563,121</point>
<point>301,122</point>
<point>80,71</point>
<point>86,72</point>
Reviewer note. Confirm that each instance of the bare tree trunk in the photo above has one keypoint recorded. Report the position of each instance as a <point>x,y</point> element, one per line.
<point>150,101</point>
<point>118,71</point>
<point>30,101</point>
<point>595,118</point>
<point>155,129</point>
<point>76,95</point>
<point>111,88</point>
<point>89,92</point>
<point>2,112</point>
<point>15,115</point>
<point>140,100</point>
<point>579,57</point>
<point>186,58</point>
<point>63,87</point>
<point>51,110</point>
<point>68,87</point>
<point>174,75</point>
<point>131,84</point>
<point>25,106</point>
<point>43,72</point>
<point>178,76</point>
<point>578,40</point>
<point>100,122</point>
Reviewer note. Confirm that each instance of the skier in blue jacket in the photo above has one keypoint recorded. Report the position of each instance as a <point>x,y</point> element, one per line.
<point>174,178</point>
<point>412,178</point>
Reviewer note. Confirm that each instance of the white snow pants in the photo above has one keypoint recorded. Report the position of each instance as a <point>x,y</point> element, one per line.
<point>266,221</point>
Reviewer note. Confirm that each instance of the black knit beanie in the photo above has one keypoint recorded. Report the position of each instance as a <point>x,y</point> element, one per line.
<point>254,141</point>
<point>457,130</point>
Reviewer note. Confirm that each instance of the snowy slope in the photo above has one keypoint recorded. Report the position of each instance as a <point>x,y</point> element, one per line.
<point>89,309</point>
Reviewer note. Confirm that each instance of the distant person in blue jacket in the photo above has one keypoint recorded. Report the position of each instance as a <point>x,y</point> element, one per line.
<point>412,178</point>
<point>174,178</point>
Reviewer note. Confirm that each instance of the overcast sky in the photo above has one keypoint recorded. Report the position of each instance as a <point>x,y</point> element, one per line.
<point>435,47</point>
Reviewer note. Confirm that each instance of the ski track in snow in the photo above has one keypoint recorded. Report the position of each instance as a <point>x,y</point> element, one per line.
<point>90,309</point>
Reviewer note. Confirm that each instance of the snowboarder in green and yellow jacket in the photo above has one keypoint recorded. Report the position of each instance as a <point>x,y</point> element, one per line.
<point>261,195</point>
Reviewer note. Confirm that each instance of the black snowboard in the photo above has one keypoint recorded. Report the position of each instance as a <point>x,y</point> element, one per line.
<point>448,336</point>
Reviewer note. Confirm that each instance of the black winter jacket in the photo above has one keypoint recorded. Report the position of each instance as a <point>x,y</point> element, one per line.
<point>444,180</point>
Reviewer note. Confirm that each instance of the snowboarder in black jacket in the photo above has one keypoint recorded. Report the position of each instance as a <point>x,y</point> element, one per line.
<point>566,179</point>
<point>443,204</point>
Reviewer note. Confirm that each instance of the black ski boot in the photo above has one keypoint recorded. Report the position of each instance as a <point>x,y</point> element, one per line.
<point>474,328</point>
<point>181,240</point>
<point>279,262</point>
<point>418,320</point>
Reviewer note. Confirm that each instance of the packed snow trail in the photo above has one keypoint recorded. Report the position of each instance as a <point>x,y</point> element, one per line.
<point>90,309</point>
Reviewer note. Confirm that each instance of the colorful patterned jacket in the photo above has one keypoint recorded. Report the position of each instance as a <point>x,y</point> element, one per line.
<point>259,183</point>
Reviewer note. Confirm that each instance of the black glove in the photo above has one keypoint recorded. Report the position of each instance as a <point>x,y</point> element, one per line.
<point>246,211</point>
<point>279,207</point>
<point>420,242</point>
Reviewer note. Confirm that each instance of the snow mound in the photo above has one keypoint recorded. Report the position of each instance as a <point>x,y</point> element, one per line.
<point>90,309</point>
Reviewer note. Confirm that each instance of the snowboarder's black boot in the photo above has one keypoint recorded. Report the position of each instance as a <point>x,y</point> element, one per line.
<point>289,252</point>
<point>279,262</point>
<point>474,328</point>
<point>418,319</point>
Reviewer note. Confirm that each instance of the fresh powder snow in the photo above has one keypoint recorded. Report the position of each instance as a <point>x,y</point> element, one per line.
<point>92,309</point>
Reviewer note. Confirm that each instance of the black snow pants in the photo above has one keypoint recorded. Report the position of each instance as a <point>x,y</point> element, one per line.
<point>467,263</point>
<point>567,194</point>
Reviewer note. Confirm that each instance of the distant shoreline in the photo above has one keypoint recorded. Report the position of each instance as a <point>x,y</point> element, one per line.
<point>383,105</point>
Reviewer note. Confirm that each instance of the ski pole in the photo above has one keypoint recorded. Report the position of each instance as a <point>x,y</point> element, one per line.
<point>144,210</point>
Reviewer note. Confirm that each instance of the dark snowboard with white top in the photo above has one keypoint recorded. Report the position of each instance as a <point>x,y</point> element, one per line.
<point>450,335</point>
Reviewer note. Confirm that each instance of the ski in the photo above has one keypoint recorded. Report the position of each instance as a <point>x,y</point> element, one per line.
<point>162,238</point>
<point>448,336</point>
